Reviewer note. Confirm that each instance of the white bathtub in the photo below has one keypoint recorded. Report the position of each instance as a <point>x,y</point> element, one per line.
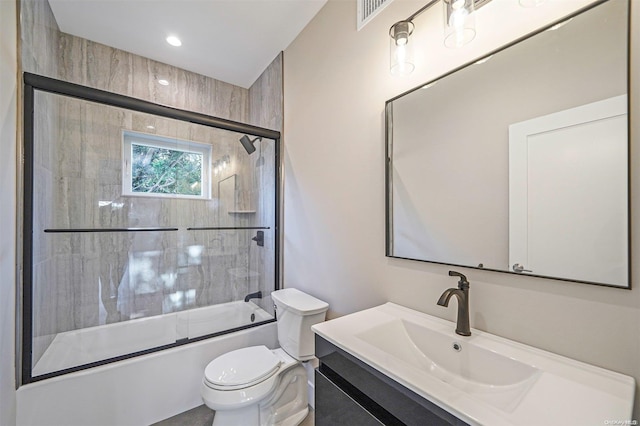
<point>88,345</point>
<point>140,390</point>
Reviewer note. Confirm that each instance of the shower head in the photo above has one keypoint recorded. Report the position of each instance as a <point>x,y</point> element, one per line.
<point>248,144</point>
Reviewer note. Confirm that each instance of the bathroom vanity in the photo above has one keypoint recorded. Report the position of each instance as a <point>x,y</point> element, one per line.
<point>350,392</point>
<point>393,365</point>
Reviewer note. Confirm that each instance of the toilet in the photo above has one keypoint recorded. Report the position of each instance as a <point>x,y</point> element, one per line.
<point>261,386</point>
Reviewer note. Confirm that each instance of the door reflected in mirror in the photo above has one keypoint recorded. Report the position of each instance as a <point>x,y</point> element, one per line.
<point>519,162</point>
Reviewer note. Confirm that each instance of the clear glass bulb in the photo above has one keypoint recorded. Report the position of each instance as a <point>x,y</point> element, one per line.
<point>401,49</point>
<point>460,25</point>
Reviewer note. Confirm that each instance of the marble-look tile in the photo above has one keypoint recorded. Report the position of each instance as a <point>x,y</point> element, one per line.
<point>266,110</point>
<point>230,101</point>
<point>39,38</point>
<point>266,97</point>
<point>43,182</point>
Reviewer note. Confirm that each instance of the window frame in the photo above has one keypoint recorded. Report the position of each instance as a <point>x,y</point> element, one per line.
<point>130,138</point>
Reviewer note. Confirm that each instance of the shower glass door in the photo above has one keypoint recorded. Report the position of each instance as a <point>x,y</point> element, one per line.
<point>145,227</point>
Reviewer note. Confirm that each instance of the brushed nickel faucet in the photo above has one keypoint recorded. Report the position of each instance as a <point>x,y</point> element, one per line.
<point>462,293</point>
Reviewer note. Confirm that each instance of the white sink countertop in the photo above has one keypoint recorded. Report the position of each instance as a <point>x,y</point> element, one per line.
<point>482,379</point>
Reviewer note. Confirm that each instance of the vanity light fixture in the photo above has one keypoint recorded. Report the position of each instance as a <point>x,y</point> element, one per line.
<point>459,22</point>
<point>459,29</point>
<point>401,48</point>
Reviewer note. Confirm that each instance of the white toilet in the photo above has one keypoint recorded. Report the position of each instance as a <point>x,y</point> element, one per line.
<point>259,386</point>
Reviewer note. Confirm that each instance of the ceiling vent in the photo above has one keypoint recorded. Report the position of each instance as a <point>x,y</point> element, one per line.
<point>368,9</point>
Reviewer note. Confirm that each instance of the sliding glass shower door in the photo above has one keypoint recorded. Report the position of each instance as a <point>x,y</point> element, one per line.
<point>145,227</point>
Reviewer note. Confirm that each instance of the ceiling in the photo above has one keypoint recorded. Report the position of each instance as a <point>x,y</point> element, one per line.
<point>229,40</point>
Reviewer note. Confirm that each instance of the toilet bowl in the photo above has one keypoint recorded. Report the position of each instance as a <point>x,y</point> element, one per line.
<point>260,386</point>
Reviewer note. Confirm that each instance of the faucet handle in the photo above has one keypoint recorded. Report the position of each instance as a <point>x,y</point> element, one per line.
<point>463,283</point>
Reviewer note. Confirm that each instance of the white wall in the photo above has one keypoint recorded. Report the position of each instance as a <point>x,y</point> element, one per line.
<point>8,96</point>
<point>336,84</point>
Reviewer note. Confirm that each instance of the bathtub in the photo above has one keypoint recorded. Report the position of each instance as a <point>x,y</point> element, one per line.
<point>143,389</point>
<point>88,345</point>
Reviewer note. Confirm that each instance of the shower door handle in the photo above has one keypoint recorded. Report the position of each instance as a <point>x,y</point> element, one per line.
<point>259,238</point>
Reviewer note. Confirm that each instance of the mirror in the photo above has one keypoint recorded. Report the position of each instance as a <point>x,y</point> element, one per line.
<point>518,162</point>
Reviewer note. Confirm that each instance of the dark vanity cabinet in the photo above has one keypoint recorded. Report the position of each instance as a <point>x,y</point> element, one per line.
<point>350,392</point>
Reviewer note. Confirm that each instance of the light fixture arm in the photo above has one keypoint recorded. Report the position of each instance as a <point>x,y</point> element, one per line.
<point>406,26</point>
<point>421,10</point>
<point>477,3</point>
<point>459,29</point>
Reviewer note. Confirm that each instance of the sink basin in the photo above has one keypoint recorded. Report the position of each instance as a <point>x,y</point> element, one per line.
<point>492,377</point>
<point>446,357</point>
<point>482,379</point>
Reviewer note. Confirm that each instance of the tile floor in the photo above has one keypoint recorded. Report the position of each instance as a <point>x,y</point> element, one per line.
<point>203,416</point>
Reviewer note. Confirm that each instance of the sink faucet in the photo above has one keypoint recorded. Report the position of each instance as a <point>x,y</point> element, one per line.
<point>462,293</point>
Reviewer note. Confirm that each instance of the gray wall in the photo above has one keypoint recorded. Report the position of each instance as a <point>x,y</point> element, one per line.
<point>336,83</point>
<point>8,144</point>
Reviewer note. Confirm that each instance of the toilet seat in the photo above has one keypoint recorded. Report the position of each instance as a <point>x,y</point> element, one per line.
<point>224,398</point>
<point>241,368</point>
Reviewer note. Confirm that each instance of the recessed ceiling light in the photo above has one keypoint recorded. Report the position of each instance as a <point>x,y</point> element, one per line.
<point>150,127</point>
<point>174,41</point>
<point>163,82</point>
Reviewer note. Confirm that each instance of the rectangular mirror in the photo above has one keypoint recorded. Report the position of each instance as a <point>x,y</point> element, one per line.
<point>518,162</point>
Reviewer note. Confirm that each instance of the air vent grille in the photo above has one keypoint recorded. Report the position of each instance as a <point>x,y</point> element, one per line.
<point>368,9</point>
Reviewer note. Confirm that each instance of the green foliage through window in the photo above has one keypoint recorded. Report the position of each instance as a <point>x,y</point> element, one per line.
<point>165,171</point>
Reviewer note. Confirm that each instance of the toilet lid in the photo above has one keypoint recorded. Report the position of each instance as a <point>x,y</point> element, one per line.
<point>242,367</point>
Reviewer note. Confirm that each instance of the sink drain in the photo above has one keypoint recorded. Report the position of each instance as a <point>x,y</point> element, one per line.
<point>456,346</point>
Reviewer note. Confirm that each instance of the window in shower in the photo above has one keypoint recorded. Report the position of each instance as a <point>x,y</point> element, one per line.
<point>109,274</point>
<point>156,166</point>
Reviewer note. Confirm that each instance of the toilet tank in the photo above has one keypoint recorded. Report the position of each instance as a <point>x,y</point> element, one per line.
<point>297,312</point>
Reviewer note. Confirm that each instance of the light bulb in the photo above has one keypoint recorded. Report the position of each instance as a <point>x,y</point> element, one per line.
<point>174,41</point>
<point>459,27</point>
<point>401,48</point>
